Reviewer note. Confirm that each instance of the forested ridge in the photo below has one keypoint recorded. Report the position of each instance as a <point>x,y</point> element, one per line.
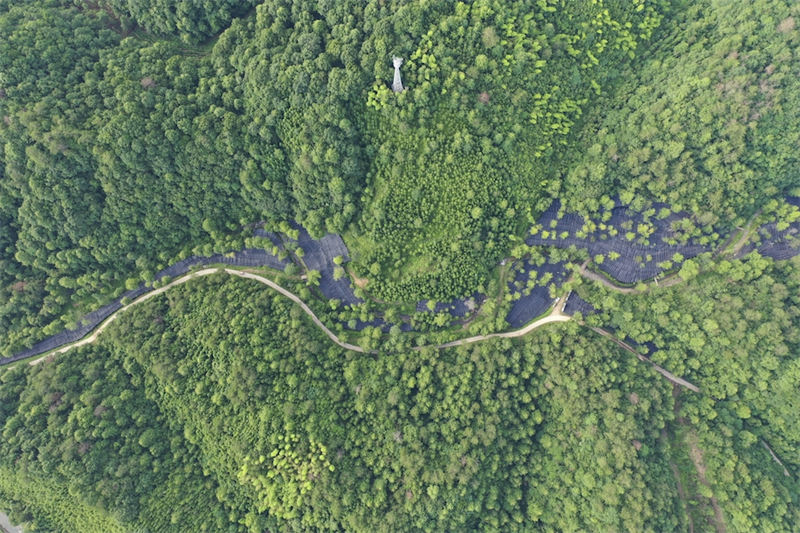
<point>651,143</point>
<point>127,152</point>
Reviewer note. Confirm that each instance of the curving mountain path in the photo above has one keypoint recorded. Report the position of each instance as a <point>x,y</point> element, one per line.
<point>320,255</point>
<point>555,316</point>
<point>200,273</point>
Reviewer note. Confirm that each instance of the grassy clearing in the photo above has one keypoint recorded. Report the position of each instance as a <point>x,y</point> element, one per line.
<point>686,458</point>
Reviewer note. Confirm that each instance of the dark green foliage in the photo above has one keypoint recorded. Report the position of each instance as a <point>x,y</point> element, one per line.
<point>191,20</point>
<point>122,153</point>
<point>49,198</point>
<point>88,427</point>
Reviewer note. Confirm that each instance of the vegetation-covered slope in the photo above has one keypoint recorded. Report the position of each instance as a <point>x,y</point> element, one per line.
<point>123,151</point>
<point>220,407</point>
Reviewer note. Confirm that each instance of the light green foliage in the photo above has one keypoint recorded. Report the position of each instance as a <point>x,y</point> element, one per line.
<point>703,120</point>
<point>294,433</point>
<point>282,478</point>
<point>259,423</point>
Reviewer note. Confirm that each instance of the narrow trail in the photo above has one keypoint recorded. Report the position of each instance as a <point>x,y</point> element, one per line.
<point>775,458</point>
<point>682,495</point>
<point>669,281</point>
<point>97,331</point>
<point>666,373</point>
<point>697,500</point>
<point>744,236</point>
<point>696,454</point>
<point>740,237</point>
<point>200,273</point>
<point>594,276</point>
<point>293,297</point>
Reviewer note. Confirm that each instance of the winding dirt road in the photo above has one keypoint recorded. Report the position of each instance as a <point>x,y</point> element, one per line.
<point>93,336</point>
<point>293,297</point>
<point>556,315</point>
<point>205,272</point>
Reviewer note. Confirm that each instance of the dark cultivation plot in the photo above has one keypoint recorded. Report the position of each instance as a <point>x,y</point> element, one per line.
<point>253,257</point>
<point>787,248</point>
<point>271,235</point>
<point>645,348</point>
<point>88,323</point>
<point>775,243</point>
<point>319,255</point>
<point>538,300</point>
<point>635,259</point>
<point>576,304</point>
<point>361,325</point>
<point>337,289</point>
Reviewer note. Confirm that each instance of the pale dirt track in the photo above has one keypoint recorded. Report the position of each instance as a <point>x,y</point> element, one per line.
<point>293,297</point>
<point>666,373</point>
<point>91,337</point>
<point>554,316</point>
<point>205,272</point>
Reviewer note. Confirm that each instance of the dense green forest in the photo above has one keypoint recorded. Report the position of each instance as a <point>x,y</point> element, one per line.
<point>136,133</point>
<point>220,407</point>
<point>123,150</point>
<point>733,331</point>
